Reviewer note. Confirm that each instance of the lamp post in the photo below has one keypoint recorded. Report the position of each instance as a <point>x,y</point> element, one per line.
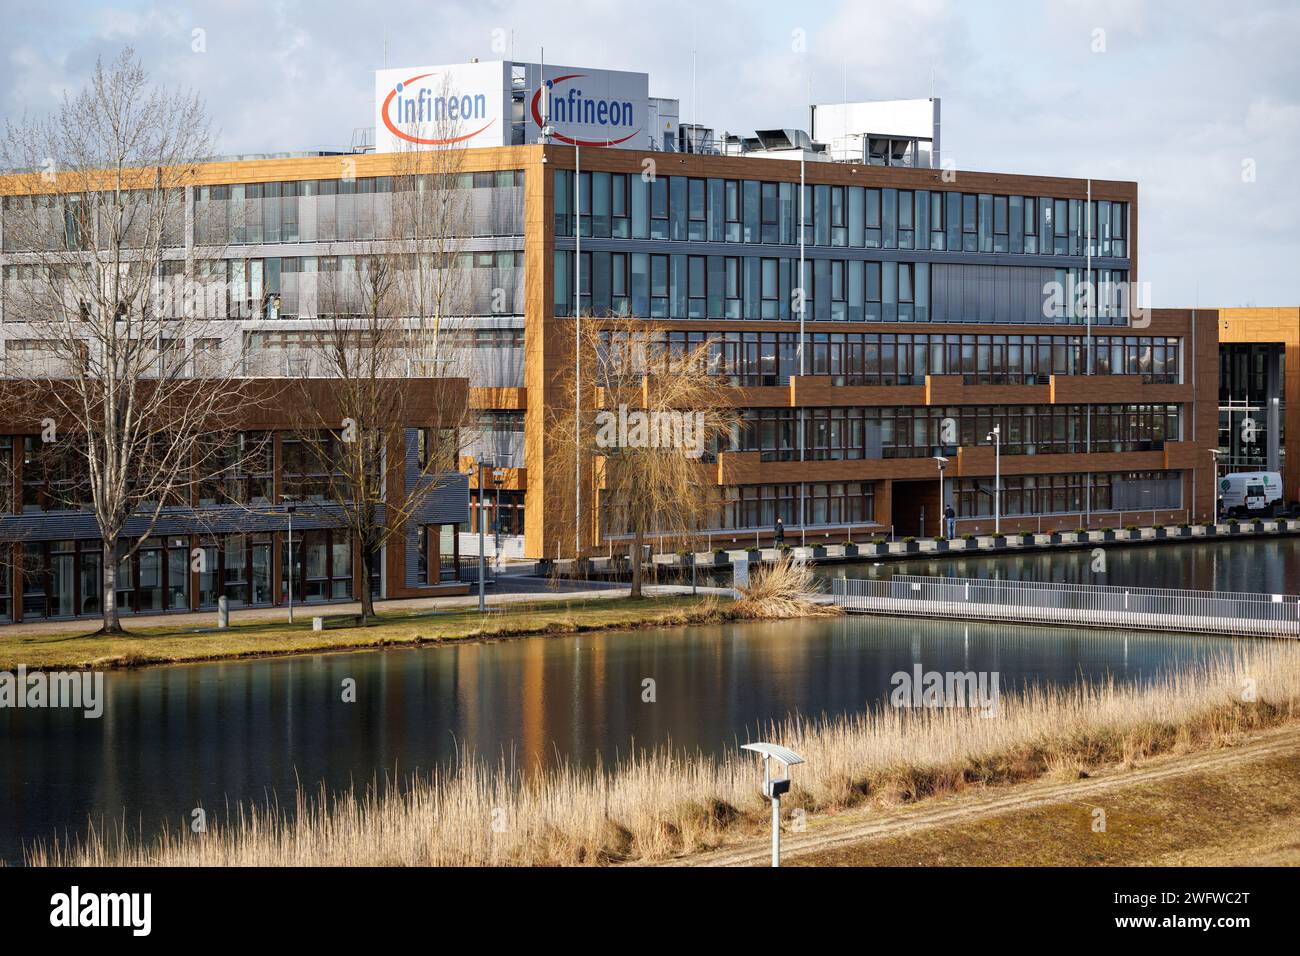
<point>289,509</point>
<point>1214,497</point>
<point>482,534</point>
<point>995,436</point>
<point>941,462</point>
<point>773,787</point>
<point>498,476</point>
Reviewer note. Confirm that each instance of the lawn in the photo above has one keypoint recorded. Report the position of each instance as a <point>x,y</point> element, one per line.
<point>174,644</point>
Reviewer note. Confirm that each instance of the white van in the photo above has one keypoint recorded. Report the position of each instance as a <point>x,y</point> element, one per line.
<point>1250,493</point>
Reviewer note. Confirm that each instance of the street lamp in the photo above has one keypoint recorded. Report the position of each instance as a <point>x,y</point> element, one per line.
<point>289,509</point>
<point>774,787</point>
<point>499,475</point>
<point>941,461</point>
<point>995,436</point>
<point>1215,453</point>
<point>482,533</point>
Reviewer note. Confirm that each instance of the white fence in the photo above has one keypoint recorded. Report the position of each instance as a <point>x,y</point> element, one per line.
<point>1236,613</point>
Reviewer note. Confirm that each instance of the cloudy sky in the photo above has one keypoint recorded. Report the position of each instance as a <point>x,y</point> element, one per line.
<point>1198,100</point>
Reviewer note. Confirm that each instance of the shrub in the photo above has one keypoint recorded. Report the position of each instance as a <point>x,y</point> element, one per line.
<point>780,590</point>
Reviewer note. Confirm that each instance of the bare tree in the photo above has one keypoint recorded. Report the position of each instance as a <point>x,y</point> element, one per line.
<point>650,420</point>
<point>95,223</point>
<point>375,434</point>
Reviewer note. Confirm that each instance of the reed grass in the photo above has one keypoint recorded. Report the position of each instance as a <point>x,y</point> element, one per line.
<point>780,590</point>
<point>663,803</point>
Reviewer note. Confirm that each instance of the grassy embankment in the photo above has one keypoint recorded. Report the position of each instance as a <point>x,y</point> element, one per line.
<point>663,804</point>
<point>177,644</point>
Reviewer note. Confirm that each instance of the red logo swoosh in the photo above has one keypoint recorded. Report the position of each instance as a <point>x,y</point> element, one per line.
<point>537,118</point>
<point>416,139</point>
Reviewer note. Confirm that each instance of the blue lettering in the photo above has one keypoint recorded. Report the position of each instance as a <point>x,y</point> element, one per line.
<point>425,106</point>
<point>572,107</point>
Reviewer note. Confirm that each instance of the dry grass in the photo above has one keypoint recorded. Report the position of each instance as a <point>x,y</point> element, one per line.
<point>661,804</point>
<point>1245,814</point>
<point>780,590</point>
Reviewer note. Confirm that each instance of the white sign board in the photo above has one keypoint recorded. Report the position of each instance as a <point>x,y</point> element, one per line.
<point>432,106</point>
<point>587,107</point>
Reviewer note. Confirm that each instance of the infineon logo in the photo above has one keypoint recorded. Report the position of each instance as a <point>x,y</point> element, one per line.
<point>570,107</point>
<point>413,105</point>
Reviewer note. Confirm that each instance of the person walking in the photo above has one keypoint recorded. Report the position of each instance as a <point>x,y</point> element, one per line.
<point>950,520</point>
<point>780,532</point>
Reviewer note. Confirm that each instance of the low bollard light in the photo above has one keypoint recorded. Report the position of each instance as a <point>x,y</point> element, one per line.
<point>775,787</point>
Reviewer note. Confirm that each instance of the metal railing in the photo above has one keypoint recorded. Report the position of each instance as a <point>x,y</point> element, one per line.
<point>465,570</point>
<point>1127,608</point>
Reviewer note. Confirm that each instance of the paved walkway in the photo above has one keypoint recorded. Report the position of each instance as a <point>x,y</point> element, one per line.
<point>513,589</point>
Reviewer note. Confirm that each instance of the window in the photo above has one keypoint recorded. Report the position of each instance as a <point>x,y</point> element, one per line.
<point>770,213</point>
<point>659,208</point>
<point>937,237</point>
<point>658,287</point>
<point>732,210</point>
<point>697,211</point>
<point>906,220</point>
<point>621,227</point>
<point>696,308</point>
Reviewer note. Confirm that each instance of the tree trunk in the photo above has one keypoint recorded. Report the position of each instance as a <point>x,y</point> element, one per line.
<point>367,599</point>
<point>638,546</point>
<point>111,623</point>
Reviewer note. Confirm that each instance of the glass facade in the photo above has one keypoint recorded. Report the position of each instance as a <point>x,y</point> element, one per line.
<point>908,285</point>
<point>342,209</point>
<point>889,358</point>
<point>1032,495</point>
<point>1252,406</point>
<point>170,571</point>
<point>625,206</point>
<point>858,433</point>
<point>819,503</point>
